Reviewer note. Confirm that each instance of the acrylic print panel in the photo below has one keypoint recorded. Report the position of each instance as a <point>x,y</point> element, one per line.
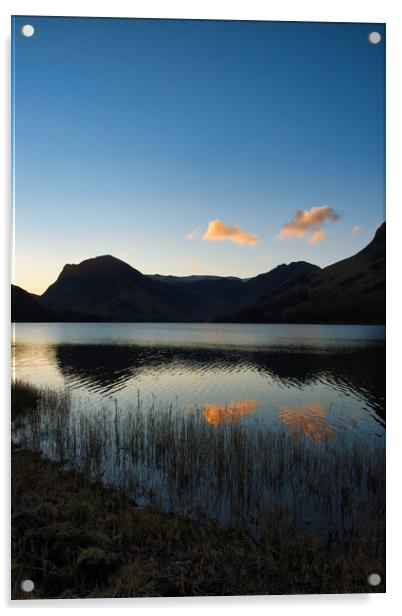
<point>198,308</point>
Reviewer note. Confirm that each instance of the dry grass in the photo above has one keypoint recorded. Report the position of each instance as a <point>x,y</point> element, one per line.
<point>75,538</point>
<point>253,479</point>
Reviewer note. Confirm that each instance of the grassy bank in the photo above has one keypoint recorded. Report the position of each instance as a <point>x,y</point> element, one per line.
<point>76,537</point>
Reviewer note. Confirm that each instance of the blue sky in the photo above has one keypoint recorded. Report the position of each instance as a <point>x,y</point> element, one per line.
<point>131,136</point>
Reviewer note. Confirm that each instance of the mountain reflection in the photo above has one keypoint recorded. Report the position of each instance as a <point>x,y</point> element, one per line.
<point>216,414</point>
<point>111,368</point>
<point>308,419</point>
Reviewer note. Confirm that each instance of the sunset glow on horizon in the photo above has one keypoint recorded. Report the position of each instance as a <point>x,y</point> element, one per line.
<point>194,147</point>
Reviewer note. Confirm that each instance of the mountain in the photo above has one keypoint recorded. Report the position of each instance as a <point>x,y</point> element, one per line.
<point>349,291</point>
<point>25,307</point>
<point>28,308</point>
<point>107,289</point>
<point>187,279</point>
<point>263,284</point>
<point>113,290</point>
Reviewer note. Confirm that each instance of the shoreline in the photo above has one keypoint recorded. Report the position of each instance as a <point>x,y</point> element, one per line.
<point>76,538</point>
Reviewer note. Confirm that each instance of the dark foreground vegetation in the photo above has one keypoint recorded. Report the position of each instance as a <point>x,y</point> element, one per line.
<point>75,537</point>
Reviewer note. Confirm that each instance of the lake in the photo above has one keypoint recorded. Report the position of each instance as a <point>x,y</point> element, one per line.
<point>275,367</point>
<point>319,388</point>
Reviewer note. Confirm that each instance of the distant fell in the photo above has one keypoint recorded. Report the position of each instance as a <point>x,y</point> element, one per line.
<point>112,290</point>
<point>349,291</point>
<point>28,308</point>
<point>115,291</point>
<point>191,278</point>
<point>107,289</point>
<point>268,282</point>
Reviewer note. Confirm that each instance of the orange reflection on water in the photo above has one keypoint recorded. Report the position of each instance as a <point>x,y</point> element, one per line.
<point>309,419</point>
<point>216,414</point>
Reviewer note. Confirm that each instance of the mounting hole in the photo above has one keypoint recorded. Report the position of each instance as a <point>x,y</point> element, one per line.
<point>374,579</point>
<point>374,38</point>
<point>27,585</point>
<point>28,30</point>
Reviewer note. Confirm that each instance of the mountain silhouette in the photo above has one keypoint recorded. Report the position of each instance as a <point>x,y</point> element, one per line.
<point>110,288</point>
<point>28,308</point>
<point>107,289</point>
<point>187,279</point>
<point>113,290</point>
<point>349,291</point>
<point>108,367</point>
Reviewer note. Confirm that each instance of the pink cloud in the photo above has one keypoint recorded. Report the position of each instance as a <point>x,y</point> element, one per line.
<point>309,223</point>
<point>218,231</point>
<point>317,236</point>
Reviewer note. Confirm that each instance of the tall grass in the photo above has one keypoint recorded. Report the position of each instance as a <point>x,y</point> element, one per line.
<point>76,538</point>
<point>233,472</point>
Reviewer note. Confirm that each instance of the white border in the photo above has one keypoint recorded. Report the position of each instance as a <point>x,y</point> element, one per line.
<point>286,10</point>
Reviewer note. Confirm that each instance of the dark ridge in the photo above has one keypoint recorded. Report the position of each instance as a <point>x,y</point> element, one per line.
<point>349,291</point>
<point>27,308</point>
<point>107,289</point>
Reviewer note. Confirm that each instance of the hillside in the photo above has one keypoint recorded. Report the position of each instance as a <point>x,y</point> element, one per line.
<point>349,291</point>
<point>114,291</point>
<point>28,308</point>
<point>107,289</point>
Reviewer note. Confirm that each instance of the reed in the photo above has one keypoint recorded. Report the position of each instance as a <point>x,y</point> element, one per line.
<point>252,510</point>
<point>234,472</point>
<point>76,538</point>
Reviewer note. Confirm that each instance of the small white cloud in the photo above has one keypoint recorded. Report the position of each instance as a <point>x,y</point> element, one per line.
<point>194,234</point>
<point>356,230</point>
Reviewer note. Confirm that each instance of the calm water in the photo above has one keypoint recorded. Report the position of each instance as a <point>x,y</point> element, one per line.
<point>318,385</point>
<point>331,374</point>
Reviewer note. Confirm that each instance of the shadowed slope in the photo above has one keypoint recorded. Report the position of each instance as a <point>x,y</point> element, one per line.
<point>28,308</point>
<point>350,291</point>
<point>114,291</point>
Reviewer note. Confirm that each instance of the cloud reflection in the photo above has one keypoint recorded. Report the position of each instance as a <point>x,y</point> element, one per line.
<point>309,419</point>
<point>216,414</point>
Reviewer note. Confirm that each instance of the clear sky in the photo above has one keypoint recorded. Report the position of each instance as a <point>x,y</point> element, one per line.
<point>188,147</point>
